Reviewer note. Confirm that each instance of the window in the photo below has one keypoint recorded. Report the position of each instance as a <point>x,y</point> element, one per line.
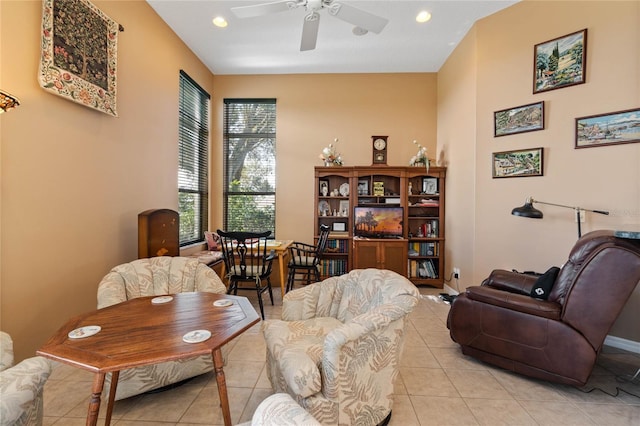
<point>193,162</point>
<point>250,165</point>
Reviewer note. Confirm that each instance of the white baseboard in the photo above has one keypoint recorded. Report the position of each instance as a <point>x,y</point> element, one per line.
<point>449,290</point>
<point>620,343</point>
<point>613,341</point>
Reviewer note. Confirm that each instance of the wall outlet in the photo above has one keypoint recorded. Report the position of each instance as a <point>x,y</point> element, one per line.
<point>456,273</point>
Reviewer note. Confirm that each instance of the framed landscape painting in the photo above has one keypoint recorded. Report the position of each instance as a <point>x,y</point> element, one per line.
<point>519,163</point>
<point>608,129</point>
<point>526,118</point>
<point>560,62</point>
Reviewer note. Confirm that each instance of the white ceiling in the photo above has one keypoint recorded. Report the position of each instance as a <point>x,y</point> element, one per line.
<point>271,44</point>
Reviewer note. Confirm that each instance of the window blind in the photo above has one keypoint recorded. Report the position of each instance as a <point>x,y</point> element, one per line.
<point>193,160</point>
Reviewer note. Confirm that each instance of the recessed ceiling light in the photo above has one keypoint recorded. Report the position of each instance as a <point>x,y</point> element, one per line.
<point>359,31</point>
<point>423,16</point>
<point>219,21</point>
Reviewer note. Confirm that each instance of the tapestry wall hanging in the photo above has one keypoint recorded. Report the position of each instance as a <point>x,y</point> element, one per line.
<point>79,53</point>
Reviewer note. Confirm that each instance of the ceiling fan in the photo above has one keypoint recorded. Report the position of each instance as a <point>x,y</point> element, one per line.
<point>364,21</point>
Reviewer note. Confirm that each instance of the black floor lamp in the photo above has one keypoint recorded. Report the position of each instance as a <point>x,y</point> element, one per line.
<point>529,211</point>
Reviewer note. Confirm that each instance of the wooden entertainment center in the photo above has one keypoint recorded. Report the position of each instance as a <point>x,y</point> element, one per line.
<point>383,217</point>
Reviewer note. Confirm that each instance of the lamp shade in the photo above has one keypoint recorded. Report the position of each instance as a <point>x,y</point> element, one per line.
<point>7,101</point>
<point>527,210</point>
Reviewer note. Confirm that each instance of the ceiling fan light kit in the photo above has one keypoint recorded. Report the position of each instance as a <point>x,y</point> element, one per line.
<point>363,21</point>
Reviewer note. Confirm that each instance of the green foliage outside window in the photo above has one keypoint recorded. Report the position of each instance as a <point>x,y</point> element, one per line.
<point>249,146</point>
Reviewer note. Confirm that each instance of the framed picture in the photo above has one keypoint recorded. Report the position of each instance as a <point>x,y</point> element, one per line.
<point>344,208</point>
<point>560,62</point>
<point>324,208</point>
<point>378,188</point>
<point>608,129</point>
<point>339,227</point>
<point>430,185</point>
<point>323,187</point>
<point>363,187</point>
<point>525,118</point>
<point>78,58</point>
<point>519,163</point>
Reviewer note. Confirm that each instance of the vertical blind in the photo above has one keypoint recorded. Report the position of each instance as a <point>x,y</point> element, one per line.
<point>249,138</point>
<point>193,160</point>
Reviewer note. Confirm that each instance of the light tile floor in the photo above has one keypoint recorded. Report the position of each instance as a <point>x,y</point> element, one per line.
<point>437,385</point>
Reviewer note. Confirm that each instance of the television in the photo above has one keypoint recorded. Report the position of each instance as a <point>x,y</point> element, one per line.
<point>378,221</point>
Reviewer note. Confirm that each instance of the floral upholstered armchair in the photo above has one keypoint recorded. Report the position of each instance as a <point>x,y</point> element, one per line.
<point>21,386</point>
<point>280,410</point>
<point>337,348</point>
<point>152,277</point>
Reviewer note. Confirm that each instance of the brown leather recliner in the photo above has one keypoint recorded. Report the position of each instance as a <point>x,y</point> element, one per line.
<point>557,339</point>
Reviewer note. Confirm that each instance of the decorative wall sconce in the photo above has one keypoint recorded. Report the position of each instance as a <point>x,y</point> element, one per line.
<point>527,210</point>
<point>7,101</point>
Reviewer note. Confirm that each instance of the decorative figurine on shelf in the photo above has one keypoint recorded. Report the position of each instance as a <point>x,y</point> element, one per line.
<point>330,156</point>
<point>324,189</point>
<point>410,189</point>
<point>421,158</point>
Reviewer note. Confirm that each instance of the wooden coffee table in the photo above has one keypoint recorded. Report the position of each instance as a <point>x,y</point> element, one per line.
<point>138,332</point>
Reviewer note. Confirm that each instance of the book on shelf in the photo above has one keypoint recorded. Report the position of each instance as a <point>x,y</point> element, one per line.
<point>430,228</point>
<point>428,202</point>
<point>337,246</point>
<point>335,234</point>
<point>423,249</point>
<point>332,267</point>
<point>422,269</point>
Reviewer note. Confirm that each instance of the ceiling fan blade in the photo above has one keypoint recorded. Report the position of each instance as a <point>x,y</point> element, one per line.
<point>264,8</point>
<point>358,17</point>
<point>310,31</point>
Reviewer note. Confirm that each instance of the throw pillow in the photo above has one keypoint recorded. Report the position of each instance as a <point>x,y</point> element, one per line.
<point>212,240</point>
<point>542,287</point>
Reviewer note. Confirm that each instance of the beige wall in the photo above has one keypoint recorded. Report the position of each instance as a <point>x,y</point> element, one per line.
<point>457,87</point>
<point>313,110</point>
<point>599,178</point>
<point>74,179</point>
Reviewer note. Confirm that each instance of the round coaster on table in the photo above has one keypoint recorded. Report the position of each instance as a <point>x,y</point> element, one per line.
<point>82,332</point>
<point>161,299</point>
<point>196,336</point>
<point>223,302</point>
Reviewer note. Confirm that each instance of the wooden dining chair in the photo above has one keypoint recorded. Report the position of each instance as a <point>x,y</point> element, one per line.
<point>247,261</point>
<point>305,259</point>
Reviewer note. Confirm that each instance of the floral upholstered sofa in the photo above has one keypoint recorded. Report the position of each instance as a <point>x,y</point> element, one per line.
<point>21,386</point>
<point>337,348</point>
<point>152,277</point>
